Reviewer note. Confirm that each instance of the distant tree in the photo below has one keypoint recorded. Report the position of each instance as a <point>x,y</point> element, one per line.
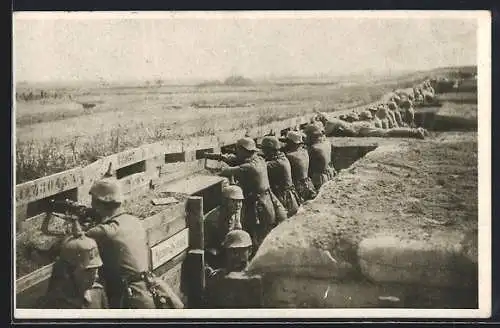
<point>238,80</point>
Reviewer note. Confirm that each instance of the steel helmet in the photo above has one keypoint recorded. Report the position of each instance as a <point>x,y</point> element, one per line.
<point>247,143</point>
<point>233,192</point>
<point>366,115</point>
<point>237,239</point>
<point>392,105</point>
<point>107,190</point>
<point>270,142</point>
<point>295,137</point>
<point>406,104</point>
<point>80,251</point>
<point>313,130</point>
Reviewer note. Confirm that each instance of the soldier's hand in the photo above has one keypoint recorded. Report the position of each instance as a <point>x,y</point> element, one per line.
<point>213,156</point>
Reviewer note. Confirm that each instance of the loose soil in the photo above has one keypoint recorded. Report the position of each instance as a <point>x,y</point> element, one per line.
<point>411,189</point>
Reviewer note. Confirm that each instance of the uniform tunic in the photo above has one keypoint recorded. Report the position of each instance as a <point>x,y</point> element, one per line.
<point>261,209</point>
<point>64,296</point>
<point>299,163</point>
<point>320,166</point>
<point>280,178</point>
<point>123,247</point>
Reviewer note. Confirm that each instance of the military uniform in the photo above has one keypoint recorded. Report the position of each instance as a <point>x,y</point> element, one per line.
<point>219,292</point>
<point>262,210</point>
<point>299,165</point>
<point>62,298</point>
<point>123,247</point>
<point>280,177</point>
<point>77,252</point>
<point>216,227</point>
<point>320,157</point>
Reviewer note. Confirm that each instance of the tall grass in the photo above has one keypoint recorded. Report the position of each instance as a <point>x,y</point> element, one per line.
<point>35,159</point>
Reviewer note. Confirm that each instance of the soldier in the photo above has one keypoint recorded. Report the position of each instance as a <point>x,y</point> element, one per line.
<point>262,210</point>
<point>365,116</point>
<point>280,175</point>
<point>391,117</point>
<point>382,115</point>
<point>320,157</point>
<point>229,219</point>
<point>73,284</point>
<point>237,246</point>
<point>299,162</point>
<point>393,107</point>
<point>123,246</point>
<point>375,120</point>
<point>408,113</point>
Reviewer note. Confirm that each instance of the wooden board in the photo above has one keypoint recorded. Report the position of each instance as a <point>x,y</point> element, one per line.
<point>33,278</point>
<point>31,297</point>
<point>168,249</point>
<point>48,186</point>
<point>133,181</point>
<point>192,184</point>
<point>165,224</point>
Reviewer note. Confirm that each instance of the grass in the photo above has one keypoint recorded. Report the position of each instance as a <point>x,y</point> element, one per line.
<point>54,138</point>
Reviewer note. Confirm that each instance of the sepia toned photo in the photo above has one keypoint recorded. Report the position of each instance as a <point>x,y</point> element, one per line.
<point>252,164</point>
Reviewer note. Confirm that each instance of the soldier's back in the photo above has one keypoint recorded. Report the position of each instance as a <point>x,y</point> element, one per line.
<point>253,175</point>
<point>280,171</point>
<point>126,249</point>
<point>299,163</point>
<point>320,155</point>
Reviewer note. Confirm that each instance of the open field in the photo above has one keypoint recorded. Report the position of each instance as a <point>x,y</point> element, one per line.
<point>62,127</point>
<point>53,135</point>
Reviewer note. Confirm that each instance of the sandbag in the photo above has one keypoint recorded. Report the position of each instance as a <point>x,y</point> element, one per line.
<point>389,259</point>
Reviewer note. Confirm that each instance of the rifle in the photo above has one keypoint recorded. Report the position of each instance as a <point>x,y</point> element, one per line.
<point>71,210</point>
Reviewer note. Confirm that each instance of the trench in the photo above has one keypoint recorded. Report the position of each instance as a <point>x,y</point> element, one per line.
<point>357,291</point>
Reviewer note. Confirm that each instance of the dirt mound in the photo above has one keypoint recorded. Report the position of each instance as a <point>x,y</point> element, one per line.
<point>422,190</point>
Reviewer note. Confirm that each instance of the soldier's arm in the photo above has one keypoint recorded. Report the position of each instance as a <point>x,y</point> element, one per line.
<point>101,231</point>
<point>234,170</point>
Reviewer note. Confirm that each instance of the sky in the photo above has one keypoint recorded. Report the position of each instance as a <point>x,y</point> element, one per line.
<point>50,48</point>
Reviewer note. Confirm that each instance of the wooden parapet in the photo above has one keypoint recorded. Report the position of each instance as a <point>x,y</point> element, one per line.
<point>138,170</point>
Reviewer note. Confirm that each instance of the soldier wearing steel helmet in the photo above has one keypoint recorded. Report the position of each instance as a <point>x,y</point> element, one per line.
<point>229,219</point>
<point>408,112</point>
<point>279,171</point>
<point>299,163</point>
<point>321,167</point>
<point>237,246</point>
<point>374,120</point>
<point>261,208</point>
<point>73,283</point>
<point>123,247</point>
<point>393,107</point>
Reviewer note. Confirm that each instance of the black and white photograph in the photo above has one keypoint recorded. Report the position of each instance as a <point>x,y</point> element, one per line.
<point>251,164</point>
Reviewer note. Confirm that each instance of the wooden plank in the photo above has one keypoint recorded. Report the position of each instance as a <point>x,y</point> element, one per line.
<point>214,213</point>
<point>166,250</point>
<point>48,186</point>
<point>33,278</point>
<point>131,156</point>
<point>194,218</point>
<point>165,224</point>
<point>174,275</point>
<point>133,181</point>
<point>192,184</point>
<point>171,173</point>
<point>31,297</point>
<point>195,268</point>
